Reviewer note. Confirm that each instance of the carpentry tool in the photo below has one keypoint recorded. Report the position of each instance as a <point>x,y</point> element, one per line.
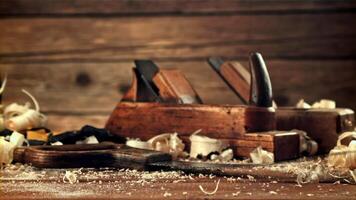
<point>146,119</point>
<point>243,127</point>
<point>121,156</point>
<point>322,125</point>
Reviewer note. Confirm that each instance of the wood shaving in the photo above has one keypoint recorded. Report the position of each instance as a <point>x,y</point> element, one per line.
<point>6,152</point>
<point>203,145</point>
<point>7,147</point>
<point>57,143</point>
<point>210,193</point>
<point>169,143</point>
<point>17,139</point>
<point>89,140</point>
<point>135,143</point>
<point>251,178</point>
<point>260,156</point>
<point>3,85</point>
<point>167,194</point>
<point>323,103</point>
<point>353,174</point>
<point>18,117</point>
<point>235,194</point>
<point>302,104</point>
<point>342,156</point>
<point>272,192</point>
<point>166,142</point>
<point>70,177</point>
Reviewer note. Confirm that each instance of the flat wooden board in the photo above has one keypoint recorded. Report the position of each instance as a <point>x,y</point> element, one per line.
<point>127,184</point>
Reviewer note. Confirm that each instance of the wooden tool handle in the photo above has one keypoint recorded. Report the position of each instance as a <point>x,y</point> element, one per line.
<point>261,87</point>
<point>91,155</point>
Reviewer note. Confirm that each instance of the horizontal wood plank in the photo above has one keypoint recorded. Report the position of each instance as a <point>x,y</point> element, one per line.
<point>296,36</point>
<point>124,7</point>
<point>61,123</point>
<point>94,88</point>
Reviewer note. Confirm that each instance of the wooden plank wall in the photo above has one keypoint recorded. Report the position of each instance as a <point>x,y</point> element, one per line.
<point>75,55</point>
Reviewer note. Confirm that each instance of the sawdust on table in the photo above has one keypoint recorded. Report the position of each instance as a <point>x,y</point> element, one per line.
<point>126,182</point>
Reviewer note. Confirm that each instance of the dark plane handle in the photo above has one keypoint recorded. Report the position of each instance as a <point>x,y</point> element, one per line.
<point>261,87</point>
<point>253,87</point>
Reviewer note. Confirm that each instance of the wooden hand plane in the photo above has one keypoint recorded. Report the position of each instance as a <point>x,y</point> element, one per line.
<point>163,101</point>
<point>322,125</point>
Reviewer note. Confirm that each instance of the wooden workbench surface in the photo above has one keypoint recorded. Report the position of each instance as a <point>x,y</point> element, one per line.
<point>25,182</point>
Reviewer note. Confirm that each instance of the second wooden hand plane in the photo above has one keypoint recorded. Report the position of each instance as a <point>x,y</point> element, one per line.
<point>163,101</point>
<point>322,125</point>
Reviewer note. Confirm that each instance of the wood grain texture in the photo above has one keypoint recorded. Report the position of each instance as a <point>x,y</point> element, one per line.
<point>295,36</point>
<point>59,90</point>
<point>130,187</point>
<point>322,125</point>
<point>124,7</point>
<point>146,120</point>
<point>283,144</point>
<point>174,87</point>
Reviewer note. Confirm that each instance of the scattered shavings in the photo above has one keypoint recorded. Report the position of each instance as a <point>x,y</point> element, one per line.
<point>342,156</point>
<point>272,192</point>
<point>210,193</point>
<point>18,117</point>
<point>167,194</point>
<point>260,156</point>
<point>353,174</point>
<point>236,194</point>
<point>70,177</point>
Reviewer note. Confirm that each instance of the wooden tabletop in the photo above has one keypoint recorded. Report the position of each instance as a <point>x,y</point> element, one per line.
<point>25,182</point>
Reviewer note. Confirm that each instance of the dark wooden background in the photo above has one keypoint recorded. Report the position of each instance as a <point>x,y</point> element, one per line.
<point>75,55</point>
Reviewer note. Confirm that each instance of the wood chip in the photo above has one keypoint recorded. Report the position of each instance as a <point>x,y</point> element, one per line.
<point>210,193</point>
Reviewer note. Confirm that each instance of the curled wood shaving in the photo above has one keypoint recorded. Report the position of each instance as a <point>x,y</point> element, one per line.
<point>37,107</point>
<point>260,156</point>
<point>342,156</point>
<point>135,143</point>
<point>210,193</point>
<point>70,177</point>
<point>6,152</point>
<point>15,109</point>
<point>21,117</point>
<point>3,85</point>
<point>7,148</point>
<point>58,143</point>
<point>203,145</point>
<point>17,139</point>
<point>166,142</point>
<point>169,143</point>
<point>353,174</point>
<point>323,103</point>
<point>302,104</point>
